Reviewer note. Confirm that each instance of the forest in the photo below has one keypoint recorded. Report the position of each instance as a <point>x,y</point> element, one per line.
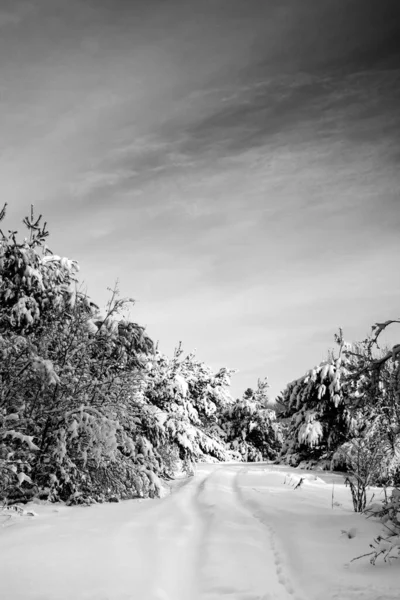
<point>91,411</point>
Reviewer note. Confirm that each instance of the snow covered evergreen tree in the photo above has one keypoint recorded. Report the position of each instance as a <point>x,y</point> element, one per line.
<point>346,411</point>
<point>188,398</point>
<point>252,430</point>
<point>317,417</point>
<point>68,377</point>
<point>372,393</point>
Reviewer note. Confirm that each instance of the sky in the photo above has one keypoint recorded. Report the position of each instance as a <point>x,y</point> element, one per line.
<point>234,164</point>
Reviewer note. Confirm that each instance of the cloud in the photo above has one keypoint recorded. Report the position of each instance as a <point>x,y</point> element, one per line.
<point>15,12</point>
<point>92,181</point>
<point>234,164</point>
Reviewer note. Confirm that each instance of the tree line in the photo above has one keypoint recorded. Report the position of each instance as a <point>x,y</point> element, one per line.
<point>90,410</point>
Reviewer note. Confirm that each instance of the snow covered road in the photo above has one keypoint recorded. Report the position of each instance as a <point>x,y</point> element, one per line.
<point>234,531</point>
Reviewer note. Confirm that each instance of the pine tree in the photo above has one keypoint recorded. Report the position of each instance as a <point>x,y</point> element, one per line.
<point>251,429</point>
<point>314,408</point>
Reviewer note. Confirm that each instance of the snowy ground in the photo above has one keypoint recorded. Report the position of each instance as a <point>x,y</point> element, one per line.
<point>238,532</point>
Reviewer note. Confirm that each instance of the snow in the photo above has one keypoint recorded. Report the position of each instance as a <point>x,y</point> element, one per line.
<point>233,531</point>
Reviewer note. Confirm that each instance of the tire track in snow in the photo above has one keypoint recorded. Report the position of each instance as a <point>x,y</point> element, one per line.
<point>208,542</point>
<point>234,559</point>
<point>206,515</point>
<point>215,577</point>
<point>280,570</point>
<point>168,532</point>
<point>176,542</point>
<point>184,526</point>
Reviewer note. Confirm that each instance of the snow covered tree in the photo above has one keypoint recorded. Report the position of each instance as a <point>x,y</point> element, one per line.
<point>188,398</point>
<point>318,419</point>
<point>252,430</point>
<point>67,376</point>
<point>372,394</point>
<point>347,410</point>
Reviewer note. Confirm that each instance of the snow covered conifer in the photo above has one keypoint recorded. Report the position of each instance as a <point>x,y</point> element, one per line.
<point>67,379</point>
<point>314,408</point>
<point>251,429</point>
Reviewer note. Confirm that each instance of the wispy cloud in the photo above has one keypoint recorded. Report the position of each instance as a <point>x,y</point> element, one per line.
<point>15,12</point>
<point>234,164</point>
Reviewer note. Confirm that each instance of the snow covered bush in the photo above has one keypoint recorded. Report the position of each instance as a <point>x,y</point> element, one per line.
<point>362,459</point>
<point>387,545</point>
